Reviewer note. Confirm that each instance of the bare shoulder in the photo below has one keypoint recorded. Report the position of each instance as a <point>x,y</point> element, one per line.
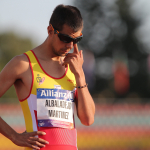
<point>17,65</point>
<point>17,68</point>
<point>20,60</point>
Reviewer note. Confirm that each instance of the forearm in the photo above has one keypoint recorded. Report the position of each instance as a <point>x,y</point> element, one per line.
<point>6,130</point>
<point>85,103</point>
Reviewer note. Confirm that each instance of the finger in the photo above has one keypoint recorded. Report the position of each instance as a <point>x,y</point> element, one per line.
<point>43,141</point>
<point>70,54</point>
<point>39,139</point>
<point>35,147</point>
<point>37,133</point>
<point>68,60</point>
<point>32,146</point>
<point>81,54</point>
<point>75,49</point>
<point>70,57</point>
<point>65,63</point>
<point>38,144</point>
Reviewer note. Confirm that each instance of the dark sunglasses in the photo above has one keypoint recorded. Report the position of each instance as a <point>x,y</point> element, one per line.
<point>66,38</point>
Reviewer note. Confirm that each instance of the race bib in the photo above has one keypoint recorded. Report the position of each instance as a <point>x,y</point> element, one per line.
<point>55,108</point>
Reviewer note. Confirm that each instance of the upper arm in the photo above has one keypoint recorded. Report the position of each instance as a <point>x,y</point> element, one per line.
<point>11,72</point>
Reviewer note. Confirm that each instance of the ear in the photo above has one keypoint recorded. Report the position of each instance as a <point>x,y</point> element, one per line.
<point>50,30</point>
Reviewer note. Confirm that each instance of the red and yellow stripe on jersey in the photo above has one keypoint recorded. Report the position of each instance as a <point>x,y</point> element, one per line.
<point>58,138</point>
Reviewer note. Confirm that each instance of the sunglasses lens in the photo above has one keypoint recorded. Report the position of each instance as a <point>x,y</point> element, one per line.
<point>64,38</point>
<point>77,40</point>
<point>67,39</point>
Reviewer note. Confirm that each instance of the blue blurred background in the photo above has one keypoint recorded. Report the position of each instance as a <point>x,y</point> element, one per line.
<point>116,48</point>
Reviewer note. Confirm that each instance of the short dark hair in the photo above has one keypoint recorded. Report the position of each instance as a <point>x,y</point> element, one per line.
<point>66,14</point>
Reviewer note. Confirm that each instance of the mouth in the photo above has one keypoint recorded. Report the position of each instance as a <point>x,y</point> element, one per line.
<point>65,51</point>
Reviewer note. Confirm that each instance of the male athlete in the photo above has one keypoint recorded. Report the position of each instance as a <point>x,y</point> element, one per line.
<point>49,82</point>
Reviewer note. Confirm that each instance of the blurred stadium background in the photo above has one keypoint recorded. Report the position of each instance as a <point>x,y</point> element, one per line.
<point>117,67</point>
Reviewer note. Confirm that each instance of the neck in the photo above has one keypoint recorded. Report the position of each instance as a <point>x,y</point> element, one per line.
<point>45,52</point>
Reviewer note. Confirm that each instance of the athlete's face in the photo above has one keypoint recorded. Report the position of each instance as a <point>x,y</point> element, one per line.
<point>60,48</point>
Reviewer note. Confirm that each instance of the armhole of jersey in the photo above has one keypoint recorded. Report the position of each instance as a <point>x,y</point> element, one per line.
<point>32,78</point>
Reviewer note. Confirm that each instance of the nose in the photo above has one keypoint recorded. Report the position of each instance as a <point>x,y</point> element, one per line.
<point>69,45</point>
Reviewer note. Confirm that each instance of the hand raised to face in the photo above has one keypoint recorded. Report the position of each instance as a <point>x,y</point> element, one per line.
<point>75,60</point>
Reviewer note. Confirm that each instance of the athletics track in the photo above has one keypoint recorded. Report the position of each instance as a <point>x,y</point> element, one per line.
<point>116,127</point>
